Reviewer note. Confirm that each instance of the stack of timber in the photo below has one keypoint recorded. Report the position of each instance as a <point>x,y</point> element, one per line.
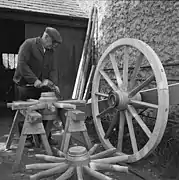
<point>81,79</point>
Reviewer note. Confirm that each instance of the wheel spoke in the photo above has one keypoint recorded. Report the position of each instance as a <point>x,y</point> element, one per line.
<point>101,94</point>
<point>121,131</point>
<point>79,173</point>
<point>116,70</point>
<point>108,167</point>
<point>93,149</point>
<point>139,120</point>
<point>109,109</point>
<point>103,154</point>
<point>112,125</point>
<point>131,131</point>
<point>49,172</point>
<point>43,166</point>
<point>144,104</point>
<point>141,86</point>
<point>67,174</point>
<point>96,174</point>
<point>125,68</point>
<point>109,81</point>
<point>136,70</point>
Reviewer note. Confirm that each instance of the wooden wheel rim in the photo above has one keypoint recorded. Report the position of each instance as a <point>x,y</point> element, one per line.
<point>162,90</point>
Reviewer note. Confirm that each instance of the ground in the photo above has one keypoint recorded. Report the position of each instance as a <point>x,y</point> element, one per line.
<point>147,169</point>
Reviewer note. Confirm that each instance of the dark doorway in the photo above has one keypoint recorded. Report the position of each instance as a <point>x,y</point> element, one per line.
<point>12,34</point>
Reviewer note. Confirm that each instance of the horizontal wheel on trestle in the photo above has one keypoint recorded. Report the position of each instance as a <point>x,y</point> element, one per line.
<point>79,162</point>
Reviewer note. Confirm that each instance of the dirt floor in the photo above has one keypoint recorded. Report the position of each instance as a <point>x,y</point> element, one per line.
<point>146,169</point>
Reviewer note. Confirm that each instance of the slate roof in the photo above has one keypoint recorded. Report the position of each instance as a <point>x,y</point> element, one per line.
<point>55,7</point>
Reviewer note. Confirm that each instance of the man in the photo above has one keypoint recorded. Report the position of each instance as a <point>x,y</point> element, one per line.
<point>35,64</point>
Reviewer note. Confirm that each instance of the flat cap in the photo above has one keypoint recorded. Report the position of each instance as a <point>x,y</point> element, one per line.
<point>54,34</point>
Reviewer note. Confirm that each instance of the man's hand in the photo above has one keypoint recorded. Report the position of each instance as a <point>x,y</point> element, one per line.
<point>45,82</point>
<point>51,85</point>
<point>37,83</point>
<point>57,89</point>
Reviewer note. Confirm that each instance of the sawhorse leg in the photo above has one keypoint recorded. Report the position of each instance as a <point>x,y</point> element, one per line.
<point>74,123</point>
<point>31,128</point>
<point>65,142</point>
<point>87,139</point>
<point>46,143</point>
<point>19,151</point>
<point>66,135</point>
<point>16,119</point>
<point>48,127</point>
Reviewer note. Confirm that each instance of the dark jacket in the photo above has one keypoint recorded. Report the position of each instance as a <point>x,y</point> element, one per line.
<point>34,64</point>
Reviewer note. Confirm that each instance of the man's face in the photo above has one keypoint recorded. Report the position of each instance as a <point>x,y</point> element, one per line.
<point>48,43</point>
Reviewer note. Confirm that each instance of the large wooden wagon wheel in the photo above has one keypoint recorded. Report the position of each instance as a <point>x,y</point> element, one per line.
<point>121,98</point>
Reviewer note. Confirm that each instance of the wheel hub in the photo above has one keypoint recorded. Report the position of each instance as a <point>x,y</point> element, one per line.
<point>78,155</point>
<point>48,97</point>
<point>118,99</point>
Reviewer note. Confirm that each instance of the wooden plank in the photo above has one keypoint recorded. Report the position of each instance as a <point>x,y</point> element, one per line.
<point>89,82</point>
<point>83,57</point>
<point>21,104</point>
<point>86,65</point>
<point>64,105</point>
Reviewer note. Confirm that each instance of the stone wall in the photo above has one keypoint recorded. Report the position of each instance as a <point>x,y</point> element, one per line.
<point>154,22</point>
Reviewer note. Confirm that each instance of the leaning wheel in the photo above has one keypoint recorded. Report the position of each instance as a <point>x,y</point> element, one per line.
<point>124,115</point>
